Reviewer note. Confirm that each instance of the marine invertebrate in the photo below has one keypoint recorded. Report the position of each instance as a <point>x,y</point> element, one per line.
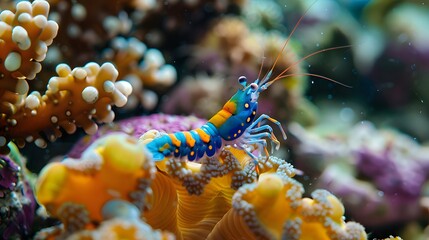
<point>141,67</point>
<point>68,189</point>
<point>24,37</point>
<point>184,20</point>
<point>230,49</point>
<point>122,221</point>
<point>72,99</point>
<point>85,26</point>
<point>137,126</point>
<point>178,186</point>
<point>17,203</point>
<point>233,125</point>
<point>386,170</point>
<point>273,208</point>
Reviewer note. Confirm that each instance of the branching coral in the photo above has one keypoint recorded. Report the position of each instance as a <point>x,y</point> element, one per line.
<point>73,98</point>
<point>24,38</point>
<point>141,66</point>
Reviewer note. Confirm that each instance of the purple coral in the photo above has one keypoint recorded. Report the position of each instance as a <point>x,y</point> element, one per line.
<point>8,175</point>
<point>17,203</point>
<point>377,173</point>
<point>137,126</point>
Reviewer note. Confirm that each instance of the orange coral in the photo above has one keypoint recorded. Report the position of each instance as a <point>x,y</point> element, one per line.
<point>273,209</point>
<point>24,39</point>
<point>214,181</point>
<point>76,190</point>
<point>122,222</point>
<point>142,68</point>
<point>72,100</point>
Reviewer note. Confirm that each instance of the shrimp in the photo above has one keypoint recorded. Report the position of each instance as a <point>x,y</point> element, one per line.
<point>235,124</point>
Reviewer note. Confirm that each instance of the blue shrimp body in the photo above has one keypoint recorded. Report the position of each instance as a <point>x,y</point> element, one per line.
<point>192,144</point>
<point>234,124</point>
<point>236,115</point>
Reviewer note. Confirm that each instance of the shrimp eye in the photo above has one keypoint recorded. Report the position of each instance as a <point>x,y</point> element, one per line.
<point>254,86</point>
<point>242,80</point>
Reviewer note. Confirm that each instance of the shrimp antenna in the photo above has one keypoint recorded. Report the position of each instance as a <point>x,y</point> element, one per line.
<point>268,74</point>
<point>262,65</point>
<point>313,75</point>
<point>260,69</point>
<point>280,76</point>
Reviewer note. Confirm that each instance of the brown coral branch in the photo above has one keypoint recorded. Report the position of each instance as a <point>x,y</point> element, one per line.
<point>24,39</point>
<point>73,99</point>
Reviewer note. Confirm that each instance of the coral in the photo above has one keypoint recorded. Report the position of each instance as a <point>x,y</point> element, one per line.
<point>86,26</point>
<point>221,186</point>
<point>121,221</point>
<point>201,95</point>
<point>24,38</point>
<point>76,190</point>
<point>273,208</point>
<point>183,21</point>
<point>382,172</point>
<point>137,126</point>
<point>108,32</point>
<point>151,72</point>
<point>72,99</point>
<point>17,203</point>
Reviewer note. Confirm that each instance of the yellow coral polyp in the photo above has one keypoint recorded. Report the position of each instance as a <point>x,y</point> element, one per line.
<point>269,197</point>
<point>270,206</point>
<point>53,176</point>
<point>313,230</point>
<point>115,156</point>
<point>110,169</point>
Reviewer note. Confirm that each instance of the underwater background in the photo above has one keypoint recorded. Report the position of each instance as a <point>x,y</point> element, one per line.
<point>86,85</point>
